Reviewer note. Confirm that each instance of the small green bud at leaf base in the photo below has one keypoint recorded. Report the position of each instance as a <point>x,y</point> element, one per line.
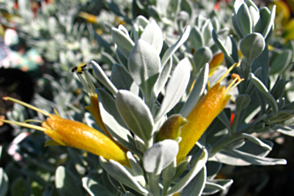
<point>171,128</point>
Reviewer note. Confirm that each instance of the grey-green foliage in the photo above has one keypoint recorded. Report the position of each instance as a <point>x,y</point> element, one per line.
<point>150,61</point>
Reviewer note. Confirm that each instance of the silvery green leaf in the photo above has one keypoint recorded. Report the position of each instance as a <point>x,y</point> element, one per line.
<point>140,144</point>
<point>65,182</point>
<point>123,29</point>
<point>181,167</point>
<point>279,88</point>
<point>153,35</point>
<point>113,121</point>
<point>269,23</point>
<point>229,159</point>
<point>93,186</point>
<point>202,56</point>
<point>103,78</point>
<point>252,45</point>
<point>120,173</point>
<point>256,141</point>
<point>242,101</point>
<point>286,130</point>
<point>254,13</point>
<point>281,62</point>
<point>187,7</point>
<point>141,21</point>
<point>163,76</point>
<point>122,79</point>
<point>160,155</point>
<point>176,87</point>
<point>244,20</point>
<point>137,170</point>
<point>122,59</point>
<point>154,12</point>
<point>144,67</point>
<point>206,32</point>
<point>264,91</point>
<point>196,186</point>
<point>168,174</point>
<point>212,168</point>
<point>258,160</point>
<point>214,186</point>
<point>196,38</point>
<point>123,42</point>
<point>3,181</point>
<point>215,23</point>
<point>196,92</point>
<point>236,23</point>
<point>232,48</point>
<point>238,4</point>
<point>221,46</point>
<point>135,114</point>
<point>170,51</point>
<point>191,174</point>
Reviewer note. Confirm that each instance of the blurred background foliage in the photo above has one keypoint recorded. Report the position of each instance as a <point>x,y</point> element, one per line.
<point>42,40</point>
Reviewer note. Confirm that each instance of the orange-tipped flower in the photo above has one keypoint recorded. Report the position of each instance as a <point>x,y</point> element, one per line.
<point>74,134</point>
<point>207,108</point>
<point>94,108</point>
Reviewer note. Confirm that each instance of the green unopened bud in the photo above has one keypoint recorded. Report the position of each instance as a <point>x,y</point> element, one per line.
<point>171,128</point>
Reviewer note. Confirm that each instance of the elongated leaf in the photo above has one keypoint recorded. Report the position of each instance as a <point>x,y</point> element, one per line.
<point>221,46</point>
<point>103,78</point>
<point>123,42</point>
<point>214,186</point>
<point>257,160</point>
<point>256,141</point>
<point>196,186</point>
<point>196,92</point>
<point>244,20</point>
<point>170,51</point>
<point>264,91</point>
<point>191,174</point>
<point>153,35</point>
<point>196,38</point>
<point>121,174</point>
<point>123,80</point>
<point>93,186</point>
<point>202,56</point>
<point>176,87</point>
<point>287,130</point>
<point>136,169</point>
<point>113,121</point>
<point>280,62</point>
<point>269,23</point>
<point>160,155</point>
<point>135,114</point>
<point>65,183</point>
<point>144,66</point>
<point>162,79</point>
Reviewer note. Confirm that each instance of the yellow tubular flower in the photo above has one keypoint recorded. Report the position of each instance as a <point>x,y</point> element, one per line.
<point>74,134</point>
<point>94,108</point>
<point>207,108</point>
<point>89,17</point>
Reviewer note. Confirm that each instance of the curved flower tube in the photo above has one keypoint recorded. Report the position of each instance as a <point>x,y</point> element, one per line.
<point>204,112</point>
<point>74,134</point>
<point>94,108</point>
